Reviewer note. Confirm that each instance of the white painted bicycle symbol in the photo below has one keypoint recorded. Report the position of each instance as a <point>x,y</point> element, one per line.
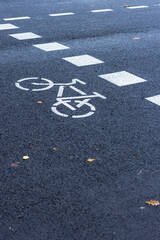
<point>74,103</point>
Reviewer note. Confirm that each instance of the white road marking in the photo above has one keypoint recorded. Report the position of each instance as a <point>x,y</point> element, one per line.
<point>122,78</point>
<point>16,18</point>
<point>60,91</point>
<point>135,7</point>
<point>61,14</point>
<point>7,26</point>
<point>83,60</point>
<point>95,95</point>
<point>53,46</point>
<point>25,36</point>
<point>77,90</point>
<point>48,83</point>
<point>102,10</point>
<point>154,99</point>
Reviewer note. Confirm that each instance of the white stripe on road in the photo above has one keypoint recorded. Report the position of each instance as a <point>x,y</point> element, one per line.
<point>122,78</point>
<point>135,7</point>
<point>54,46</point>
<point>154,99</point>
<point>25,36</point>
<point>17,18</point>
<point>61,14</point>
<point>83,60</point>
<point>102,10</point>
<point>7,26</point>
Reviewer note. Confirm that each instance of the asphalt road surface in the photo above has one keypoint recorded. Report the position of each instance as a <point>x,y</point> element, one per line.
<point>79,126</point>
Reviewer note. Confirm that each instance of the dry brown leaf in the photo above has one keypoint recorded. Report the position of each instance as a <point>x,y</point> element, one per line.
<point>39,102</point>
<point>15,164</point>
<point>153,202</point>
<point>90,159</point>
<point>56,149</point>
<point>126,6</point>
<point>25,157</point>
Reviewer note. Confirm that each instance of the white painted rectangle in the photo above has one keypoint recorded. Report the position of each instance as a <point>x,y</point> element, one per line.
<point>83,60</point>
<point>7,26</point>
<point>122,78</point>
<point>102,10</point>
<point>154,99</point>
<point>135,7</point>
<point>53,46</point>
<point>25,36</point>
<point>61,14</point>
<point>17,18</point>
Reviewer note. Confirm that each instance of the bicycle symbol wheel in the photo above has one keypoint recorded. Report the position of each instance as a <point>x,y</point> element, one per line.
<point>79,104</point>
<point>43,82</point>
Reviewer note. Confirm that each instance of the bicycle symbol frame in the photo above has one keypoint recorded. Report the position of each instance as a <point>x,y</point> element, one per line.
<point>82,99</point>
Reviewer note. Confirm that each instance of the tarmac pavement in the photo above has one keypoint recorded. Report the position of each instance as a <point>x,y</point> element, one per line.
<point>80,97</point>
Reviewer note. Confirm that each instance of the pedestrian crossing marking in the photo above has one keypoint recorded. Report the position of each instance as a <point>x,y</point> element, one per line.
<point>53,46</point>
<point>16,18</point>
<point>7,26</point>
<point>122,78</point>
<point>102,10</point>
<point>83,60</point>
<point>61,14</point>
<point>154,99</point>
<point>25,36</point>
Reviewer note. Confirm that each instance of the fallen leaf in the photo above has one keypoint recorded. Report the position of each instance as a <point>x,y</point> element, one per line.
<point>56,149</point>
<point>126,6</point>
<point>153,202</point>
<point>15,164</point>
<point>90,159</point>
<point>25,157</point>
<point>39,102</point>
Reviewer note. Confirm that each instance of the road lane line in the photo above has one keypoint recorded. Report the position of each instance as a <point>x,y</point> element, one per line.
<point>102,10</point>
<point>17,18</point>
<point>135,7</point>
<point>83,60</point>
<point>7,26</point>
<point>154,99</point>
<point>25,36</point>
<point>61,14</point>
<point>122,78</point>
<point>53,46</point>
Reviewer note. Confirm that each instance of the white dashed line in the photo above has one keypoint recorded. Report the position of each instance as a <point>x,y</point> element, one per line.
<point>154,99</point>
<point>122,78</point>
<point>25,36</point>
<point>17,18</point>
<point>135,7</point>
<point>7,26</point>
<point>102,10</point>
<point>54,46</point>
<point>61,14</point>
<point>83,60</point>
